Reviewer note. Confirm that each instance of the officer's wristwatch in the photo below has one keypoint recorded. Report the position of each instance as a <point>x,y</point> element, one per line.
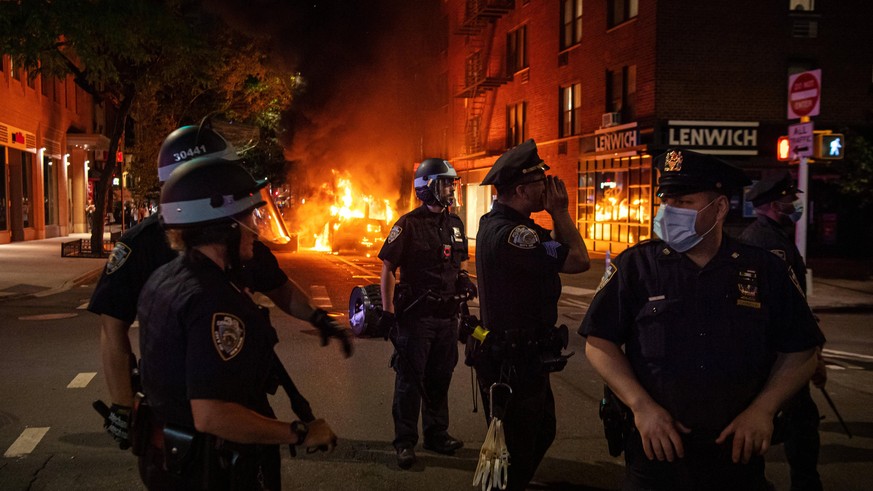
<point>300,429</point>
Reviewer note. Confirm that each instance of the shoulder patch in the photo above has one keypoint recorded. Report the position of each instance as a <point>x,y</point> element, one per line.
<point>228,334</point>
<point>394,233</point>
<point>523,237</point>
<point>779,252</point>
<point>607,275</point>
<point>456,233</point>
<point>117,257</point>
<point>794,280</point>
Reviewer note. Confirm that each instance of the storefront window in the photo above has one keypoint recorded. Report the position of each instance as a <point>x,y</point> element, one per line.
<point>4,224</point>
<point>50,186</point>
<point>615,202</point>
<point>26,189</point>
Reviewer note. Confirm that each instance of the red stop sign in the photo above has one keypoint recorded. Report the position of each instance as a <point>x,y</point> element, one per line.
<point>803,95</point>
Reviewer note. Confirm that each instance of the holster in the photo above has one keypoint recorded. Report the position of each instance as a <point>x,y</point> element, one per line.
<point>140,424</point>
<point>182,450</point>
<point>617,421</point>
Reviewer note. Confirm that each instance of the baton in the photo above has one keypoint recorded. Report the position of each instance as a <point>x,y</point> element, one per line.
<point>834,407</point>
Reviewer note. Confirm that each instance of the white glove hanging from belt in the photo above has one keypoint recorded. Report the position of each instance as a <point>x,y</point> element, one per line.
<point>493,468</point>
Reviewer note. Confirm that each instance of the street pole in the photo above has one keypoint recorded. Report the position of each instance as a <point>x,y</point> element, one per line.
<point>801,225</point>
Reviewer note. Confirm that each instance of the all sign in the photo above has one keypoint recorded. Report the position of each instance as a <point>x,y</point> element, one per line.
<point>804,94</point>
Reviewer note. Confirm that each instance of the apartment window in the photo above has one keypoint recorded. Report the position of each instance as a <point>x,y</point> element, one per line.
<point>16,73</point>
<point>619,11</point>
<point>571,108</point>
<point>516,50</point>
<point>621,92</point>
<point>571,22</point>
<point>516,124</point>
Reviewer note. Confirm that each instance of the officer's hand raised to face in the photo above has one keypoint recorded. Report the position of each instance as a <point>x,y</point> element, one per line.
<point>555,197</point>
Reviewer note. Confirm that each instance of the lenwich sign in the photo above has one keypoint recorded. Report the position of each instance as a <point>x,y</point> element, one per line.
<point>714,137</point>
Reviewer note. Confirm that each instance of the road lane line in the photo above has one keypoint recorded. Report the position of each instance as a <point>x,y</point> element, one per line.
<point>81,380</point>
<point>846,354</point>
<point>575,290</point>
<point>319,296</point>
<point>25,443</point>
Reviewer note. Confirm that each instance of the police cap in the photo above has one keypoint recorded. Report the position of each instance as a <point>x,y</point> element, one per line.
<point>514,164</point>
<point>686,172</point>
<point>772,189</point>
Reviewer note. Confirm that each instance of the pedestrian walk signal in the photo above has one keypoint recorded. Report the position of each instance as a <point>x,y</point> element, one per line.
<point>783,149</point>
<point>829,146</point>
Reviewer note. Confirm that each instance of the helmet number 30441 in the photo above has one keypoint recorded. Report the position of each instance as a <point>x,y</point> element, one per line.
<point>191,152</point>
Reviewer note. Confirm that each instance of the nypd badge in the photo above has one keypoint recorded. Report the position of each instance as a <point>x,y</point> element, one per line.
<point>523,237</point>
<point>395,232</point>
<point>228,334</point>
<point>747,285</point>
<point>607,275</point>
<point>456,234</point>
<point>117,257</point>
<point>673,162</point>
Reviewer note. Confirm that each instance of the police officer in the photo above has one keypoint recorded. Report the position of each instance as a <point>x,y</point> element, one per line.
<point>207,348</point>
<point>144,248</point>
<point>517,264</point>
<point>429,246</point>
<point>778,209</point>
<point>717,336</point>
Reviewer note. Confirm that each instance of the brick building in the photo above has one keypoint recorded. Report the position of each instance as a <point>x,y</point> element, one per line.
<point>50,133</point>
<point>605,86</point>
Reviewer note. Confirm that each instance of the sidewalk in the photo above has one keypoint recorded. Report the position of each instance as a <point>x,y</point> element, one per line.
<point>37,268</point>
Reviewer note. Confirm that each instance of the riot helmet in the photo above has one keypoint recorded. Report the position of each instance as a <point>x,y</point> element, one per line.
<point>434,182</point>
<point>190,142</point>
<point>209,190</point>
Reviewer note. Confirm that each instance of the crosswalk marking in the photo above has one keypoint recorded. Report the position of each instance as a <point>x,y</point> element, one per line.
<point>319,296</point>
<point>26,442</point>
<point>846,354</point>
<point>81,380</point>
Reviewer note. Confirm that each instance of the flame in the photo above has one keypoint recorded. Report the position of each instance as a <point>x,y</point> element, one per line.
<point>615,207</point>
<point>334,203</point>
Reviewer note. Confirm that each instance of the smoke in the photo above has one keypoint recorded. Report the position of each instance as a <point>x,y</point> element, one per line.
<point>366,67</point>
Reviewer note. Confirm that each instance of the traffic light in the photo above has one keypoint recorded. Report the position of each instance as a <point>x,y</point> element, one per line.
<point>829,146</point>
<point>783,149</point>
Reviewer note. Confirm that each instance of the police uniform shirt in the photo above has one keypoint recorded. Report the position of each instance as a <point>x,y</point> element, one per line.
<point>766,233</point>
<point>141,250</point>
<point>428,248</point>
<point>701,342</point>
<point>517,263</point>
<point>201,338</point>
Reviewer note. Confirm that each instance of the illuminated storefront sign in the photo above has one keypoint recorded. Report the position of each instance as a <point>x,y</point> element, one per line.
<point>13,137</point>
<point>714,137</point>
<point>616,138</point>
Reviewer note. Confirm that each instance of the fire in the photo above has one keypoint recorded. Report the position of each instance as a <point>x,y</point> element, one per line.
<point>342,202</point>
<point>615,207</point>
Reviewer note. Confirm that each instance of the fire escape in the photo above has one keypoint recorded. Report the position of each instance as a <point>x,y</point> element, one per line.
<point>481,77</point>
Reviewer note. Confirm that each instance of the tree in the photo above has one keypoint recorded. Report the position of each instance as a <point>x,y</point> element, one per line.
<point>160,62</point>
<point>856,169</point>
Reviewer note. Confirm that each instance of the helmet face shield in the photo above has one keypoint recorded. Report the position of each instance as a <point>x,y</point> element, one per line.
<point>444,190</point>
<point>268,221</point>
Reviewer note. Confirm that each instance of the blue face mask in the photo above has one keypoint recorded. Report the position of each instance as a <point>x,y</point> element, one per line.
<point>676,227</point>
<point>797,211</point>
